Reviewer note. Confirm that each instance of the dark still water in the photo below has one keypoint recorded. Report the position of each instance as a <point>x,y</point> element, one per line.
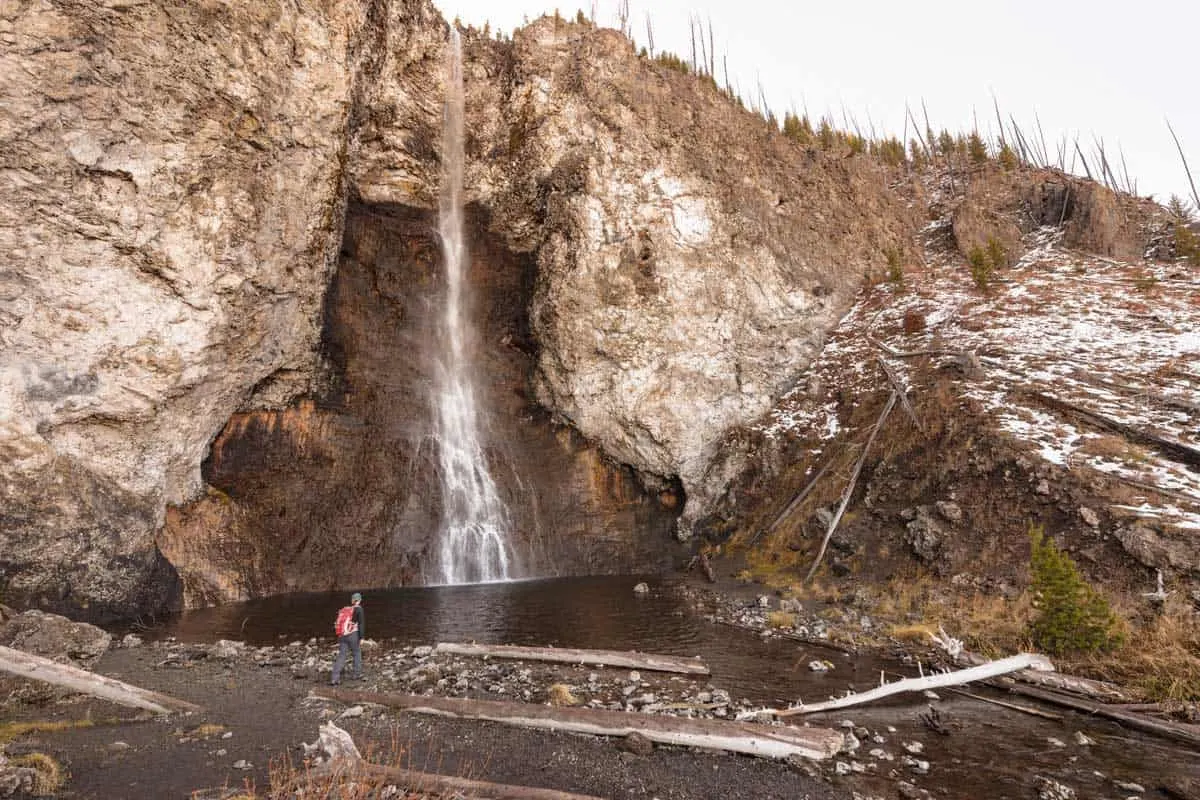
<point>591,612</point>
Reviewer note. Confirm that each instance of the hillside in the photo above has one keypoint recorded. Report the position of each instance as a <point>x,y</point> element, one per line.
<point>1064,392</point>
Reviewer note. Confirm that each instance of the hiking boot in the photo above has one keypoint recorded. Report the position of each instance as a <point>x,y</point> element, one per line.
<point>335,683</point>
<point>358,677</point>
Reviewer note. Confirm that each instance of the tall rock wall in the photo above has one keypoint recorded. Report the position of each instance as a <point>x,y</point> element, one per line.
<point>689,260</point>
<point>170,204</point>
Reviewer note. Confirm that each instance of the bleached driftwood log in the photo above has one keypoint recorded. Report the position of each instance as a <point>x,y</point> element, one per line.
<point>1100,690</point>
<point>567,655</point>
<point>767,741</point>
<point>38,668</point>
<point>957,678</point>
<point>451,786</point>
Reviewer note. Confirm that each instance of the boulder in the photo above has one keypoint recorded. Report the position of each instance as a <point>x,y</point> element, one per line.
<point>53,636</point>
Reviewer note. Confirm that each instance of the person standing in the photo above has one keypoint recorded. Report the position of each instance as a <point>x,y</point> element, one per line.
<point>350,626</point>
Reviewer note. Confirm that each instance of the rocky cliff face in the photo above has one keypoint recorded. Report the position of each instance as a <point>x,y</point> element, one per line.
<point>170,201</point>
<point>689,261</point>
<point>174,192</point>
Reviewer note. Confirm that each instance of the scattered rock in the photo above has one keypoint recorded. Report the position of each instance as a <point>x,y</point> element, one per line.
<point>1089,517</point>
<point>910,792</point>
<point>1129,786</point>
<point>949,511</point>
<point>641,588</point>
<point>226,649</point>
<point>1049,789</point>
<point>636,743</point>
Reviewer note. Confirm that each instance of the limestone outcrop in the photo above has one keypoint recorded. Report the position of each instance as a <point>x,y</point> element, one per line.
<point>170,205</point>
<point>689,260</point>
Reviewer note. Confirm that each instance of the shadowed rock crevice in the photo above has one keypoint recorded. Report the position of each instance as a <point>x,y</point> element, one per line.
<point>341,488</point>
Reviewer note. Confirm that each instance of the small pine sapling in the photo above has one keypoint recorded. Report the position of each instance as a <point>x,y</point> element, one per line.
<point>1072,616</point>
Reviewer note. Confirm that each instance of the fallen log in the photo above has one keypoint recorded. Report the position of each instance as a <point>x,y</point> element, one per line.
<point>1104,690</point>
<point>766,741</point>
<point>567,655</point>
<point>1177,450</point>
<point>343,762</point>
<point>796,501</point>
<point>1175,731</point>
<point>451,786</point>
<point>957,678</point>
<point>27,665</point>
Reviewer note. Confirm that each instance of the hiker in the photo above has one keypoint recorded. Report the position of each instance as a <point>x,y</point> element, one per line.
<point>351,621</point>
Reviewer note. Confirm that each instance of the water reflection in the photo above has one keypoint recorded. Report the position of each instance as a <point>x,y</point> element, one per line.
<point>591,612</point>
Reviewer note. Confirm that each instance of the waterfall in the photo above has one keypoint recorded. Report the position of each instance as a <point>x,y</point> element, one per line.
<point>474,535</point>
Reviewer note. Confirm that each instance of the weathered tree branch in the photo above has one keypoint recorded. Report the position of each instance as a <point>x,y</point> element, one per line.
<point>796,501</point>
<point>982,672</point>
<point>1176,731</point>
<point>887,409</point>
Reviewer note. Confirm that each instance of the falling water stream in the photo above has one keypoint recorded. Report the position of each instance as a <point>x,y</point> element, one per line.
<point>474,535</point>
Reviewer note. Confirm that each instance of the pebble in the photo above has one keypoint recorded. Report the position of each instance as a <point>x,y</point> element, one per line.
<point>242,763</point>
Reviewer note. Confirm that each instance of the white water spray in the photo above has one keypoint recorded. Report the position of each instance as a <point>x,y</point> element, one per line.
<point>475,528</point>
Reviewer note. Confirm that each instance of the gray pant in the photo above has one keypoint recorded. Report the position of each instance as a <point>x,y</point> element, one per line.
<point>347,644</point>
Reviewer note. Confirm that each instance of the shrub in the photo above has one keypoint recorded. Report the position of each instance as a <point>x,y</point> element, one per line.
<point>1072,616</point>
<point>1007,157</point>
<point>984,262</point>
<point>976,149</point>
<point>995,253</point>
<point>981,267</point>
<point>672,61</point>
<point>895,273</point>
<point>1187,244</point>
<point>797,128</point>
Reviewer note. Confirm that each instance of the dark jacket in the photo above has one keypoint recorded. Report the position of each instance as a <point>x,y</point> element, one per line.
<point>360,617</point>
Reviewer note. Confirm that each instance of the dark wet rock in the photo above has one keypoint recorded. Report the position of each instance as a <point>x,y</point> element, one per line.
<point>926,536</point>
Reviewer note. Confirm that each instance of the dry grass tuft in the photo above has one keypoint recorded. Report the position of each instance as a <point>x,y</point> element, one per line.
<point>780,619</point>
<point>559,694</point>
<point>13,730</point>
<point>207,731</point>
<point>50,775</point>
<point>913,633</point>
<point>1161,658</point>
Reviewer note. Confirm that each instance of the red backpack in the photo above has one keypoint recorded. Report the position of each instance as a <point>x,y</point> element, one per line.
<point>345,624</point>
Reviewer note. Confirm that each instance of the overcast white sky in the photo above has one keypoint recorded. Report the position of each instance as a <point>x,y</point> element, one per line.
<point>1110,69</point>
